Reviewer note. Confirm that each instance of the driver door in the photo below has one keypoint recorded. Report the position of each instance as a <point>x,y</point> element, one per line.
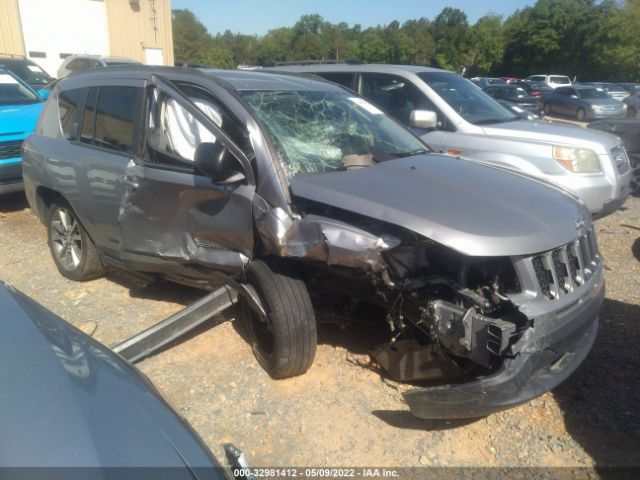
<point>171,212</point>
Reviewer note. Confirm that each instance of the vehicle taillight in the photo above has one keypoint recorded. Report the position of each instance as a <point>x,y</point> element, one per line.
<point>536,94</point>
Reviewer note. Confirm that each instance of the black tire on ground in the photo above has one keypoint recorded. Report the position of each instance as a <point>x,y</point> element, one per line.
<point>547,109</point>
<point>72,250</point>
<point>581,115</point>
<point>285,345</point>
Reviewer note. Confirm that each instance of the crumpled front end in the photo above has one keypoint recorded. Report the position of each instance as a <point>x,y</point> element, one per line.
<point>516,325</point>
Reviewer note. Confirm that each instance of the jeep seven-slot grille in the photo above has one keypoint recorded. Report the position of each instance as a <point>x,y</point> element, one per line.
<point>563,269</point>
<point>10,149</point>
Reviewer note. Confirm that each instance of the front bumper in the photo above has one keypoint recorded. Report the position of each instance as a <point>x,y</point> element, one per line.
<point>11,175</point>
<point>543,362</point>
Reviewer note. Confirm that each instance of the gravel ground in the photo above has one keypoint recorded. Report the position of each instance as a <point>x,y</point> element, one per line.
<point>342,412</point>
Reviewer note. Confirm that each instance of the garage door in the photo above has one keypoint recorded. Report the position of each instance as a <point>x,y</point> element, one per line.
<point>54,29</point>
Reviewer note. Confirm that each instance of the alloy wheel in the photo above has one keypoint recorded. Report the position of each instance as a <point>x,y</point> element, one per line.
<point>66,239</point>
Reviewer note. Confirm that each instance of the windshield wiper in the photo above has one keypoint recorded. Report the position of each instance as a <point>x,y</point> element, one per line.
<point>495,120</point>
<point>418,151</point>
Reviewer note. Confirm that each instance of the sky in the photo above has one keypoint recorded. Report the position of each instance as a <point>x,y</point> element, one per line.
<point>260,16</point>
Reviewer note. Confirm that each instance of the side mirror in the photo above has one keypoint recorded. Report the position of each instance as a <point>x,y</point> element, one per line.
<point>423,119</point>
<point>43,94</point>
<point>217,163</point>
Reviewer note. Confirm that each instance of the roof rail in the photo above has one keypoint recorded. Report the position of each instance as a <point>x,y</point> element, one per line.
<point>319,62</point>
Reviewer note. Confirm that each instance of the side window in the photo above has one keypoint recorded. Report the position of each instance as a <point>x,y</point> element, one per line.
<point>341,78</point>
<point>174,134</point>
<point>115,118</point>
<point>68,101</point>
<point>397,96</point>
<point>72,65</point>
<point>89,116</point>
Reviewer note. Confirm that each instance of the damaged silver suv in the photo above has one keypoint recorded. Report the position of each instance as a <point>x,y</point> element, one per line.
<point>306,198</point>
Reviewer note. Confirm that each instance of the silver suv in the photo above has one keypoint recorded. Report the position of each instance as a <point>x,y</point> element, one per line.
<point>312,203</point>
<point>452,115</point>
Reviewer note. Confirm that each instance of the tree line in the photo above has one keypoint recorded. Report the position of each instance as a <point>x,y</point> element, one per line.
<point>580,38</point>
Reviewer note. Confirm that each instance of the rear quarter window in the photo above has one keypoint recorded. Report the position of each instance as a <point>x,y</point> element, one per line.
<point>68,102</point>
<point>341,78</point>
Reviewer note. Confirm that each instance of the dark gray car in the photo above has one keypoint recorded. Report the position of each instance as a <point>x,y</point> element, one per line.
<point>307,198</point>
<point>583,103</point>
<point>71,408</point>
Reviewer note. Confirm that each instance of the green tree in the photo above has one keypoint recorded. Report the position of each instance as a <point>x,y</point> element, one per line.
<point>487,48</point>
<point>452,36</point>
<point>192,42</point>
<point>373,47</point>
<point>421,44</point>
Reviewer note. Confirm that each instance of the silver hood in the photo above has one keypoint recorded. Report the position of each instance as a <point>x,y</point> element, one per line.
<point>555,133</point>
<point>468,206</point>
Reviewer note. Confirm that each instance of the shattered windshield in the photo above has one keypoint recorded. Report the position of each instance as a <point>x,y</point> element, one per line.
<point>324,131</point>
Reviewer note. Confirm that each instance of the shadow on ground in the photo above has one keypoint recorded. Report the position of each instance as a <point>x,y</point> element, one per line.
<point>13,202</point>
<point>603,395</point>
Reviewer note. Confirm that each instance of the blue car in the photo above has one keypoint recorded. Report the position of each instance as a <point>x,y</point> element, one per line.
<point>20,107</point>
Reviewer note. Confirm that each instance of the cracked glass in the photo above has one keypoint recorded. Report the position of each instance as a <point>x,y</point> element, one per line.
<point>324,131</point>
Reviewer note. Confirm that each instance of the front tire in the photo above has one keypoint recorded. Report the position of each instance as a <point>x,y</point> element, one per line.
<point>581,115</point>
<point>71,247</point>
<point>285,343</point>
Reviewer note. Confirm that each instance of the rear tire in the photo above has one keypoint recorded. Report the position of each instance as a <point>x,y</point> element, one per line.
<point>73,251</point>
<point>581,115</point>
<point>285,344</point>
<point>547,109</point>
<point>632,112</point>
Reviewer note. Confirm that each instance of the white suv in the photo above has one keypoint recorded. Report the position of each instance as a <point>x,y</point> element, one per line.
<point>554,81</point>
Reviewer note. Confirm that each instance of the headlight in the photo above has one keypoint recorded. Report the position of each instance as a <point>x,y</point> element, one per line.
<point>597,108</point>
<point>577,160</point>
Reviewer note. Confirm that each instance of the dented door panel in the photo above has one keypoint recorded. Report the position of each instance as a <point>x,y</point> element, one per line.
<point>185,217</point>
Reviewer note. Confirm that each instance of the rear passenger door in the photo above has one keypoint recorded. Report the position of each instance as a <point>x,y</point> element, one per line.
<point>107,140</point>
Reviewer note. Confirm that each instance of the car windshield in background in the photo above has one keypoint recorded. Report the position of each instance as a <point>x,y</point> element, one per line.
<point>319,131</point>
<point>13,92</point>
<point>592,93</point>
<point>469,101</point>
<point>615,88</point>
<point>560,80</point>
<point>32,74</point>
<point>513,92</point>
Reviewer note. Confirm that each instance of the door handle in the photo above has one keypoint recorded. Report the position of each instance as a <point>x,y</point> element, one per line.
<point>132,182</point>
